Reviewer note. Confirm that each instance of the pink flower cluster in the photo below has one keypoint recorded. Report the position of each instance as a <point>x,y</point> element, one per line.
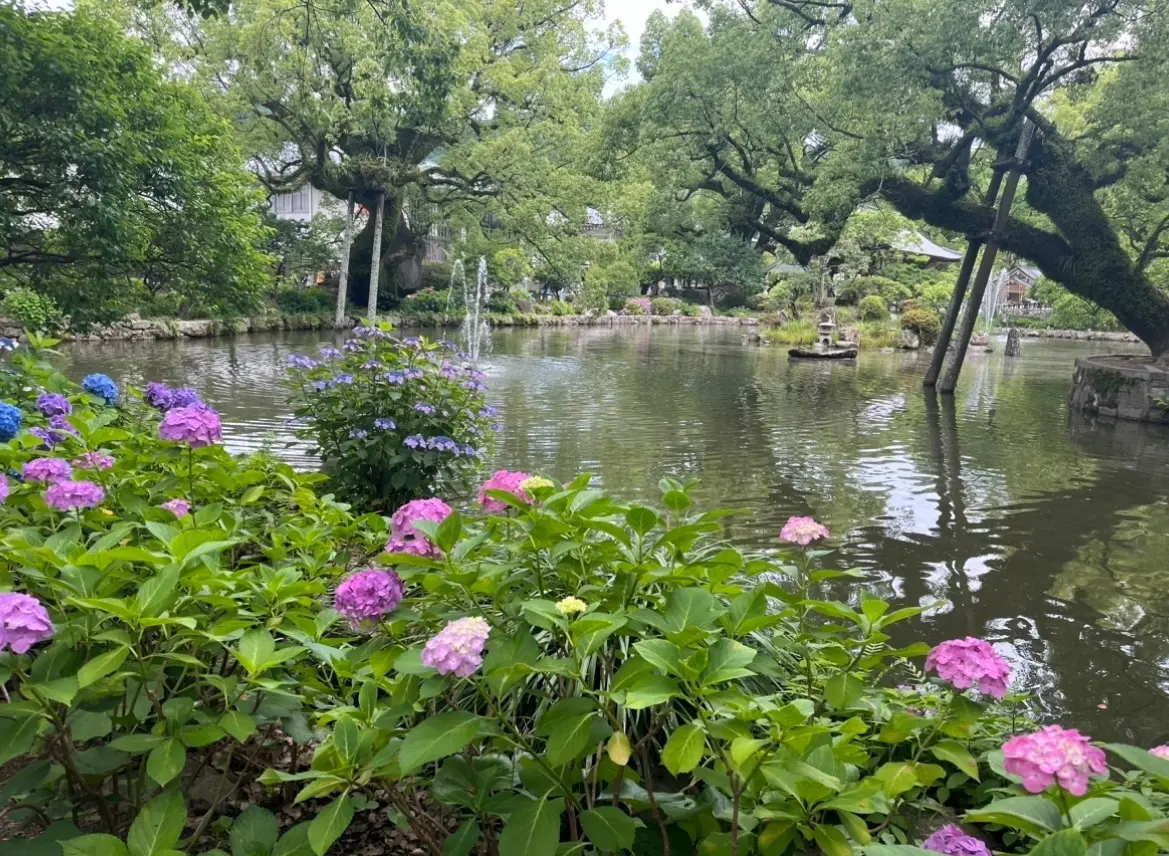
<point>3,489</point>
<point>68,495</point>
<point>196,426</point>
<point>364,597</point>
<point>458,647</point>
<point>803,531</point>
<point>404,538</point>
<point>970,661</point>
<point>1160,752</point>
<point>94,461</point>
<point>47,470</point>
<point>954,841</point>
<point>23,622</point>
<point>505,480</point>
<point>177,507</point>
<point>1054,755</point>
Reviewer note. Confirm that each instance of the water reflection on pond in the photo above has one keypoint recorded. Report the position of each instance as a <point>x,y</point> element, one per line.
<point>1045,532</point>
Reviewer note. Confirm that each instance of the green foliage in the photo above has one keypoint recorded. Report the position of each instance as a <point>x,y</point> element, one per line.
<point>664,306</point>
<point>1070,312</point>
<point>177,641</point>
<point>799,332</point>
<point>305,301</point>
<point>559,307</point>
<point>429,300</point>
<point>141,185</point>
<point>31,310</point>
<point>509,267</point>
<point>436,276</point>
<point>437,425</point>
<point>923,322</point>
<point>502,303</point>
<point>873,308</point>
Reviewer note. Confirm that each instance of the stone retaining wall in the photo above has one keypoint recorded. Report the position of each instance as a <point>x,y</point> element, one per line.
<point>1124,386</point>
<point>1078,335</point>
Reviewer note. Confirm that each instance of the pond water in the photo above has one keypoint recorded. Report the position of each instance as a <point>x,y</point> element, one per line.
<point>1045,532</point>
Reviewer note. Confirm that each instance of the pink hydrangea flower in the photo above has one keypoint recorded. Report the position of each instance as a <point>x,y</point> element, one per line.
<point>94,461</point>
<point>458,647</point>
<point>1160,752</point>
<point>505,480</point>
<point>803,531</point>
<point>23,622</point>
<point>196,426</point>
<point>1054,755</point>
<point>404,538</point>
<point>177,507</point>
<point>47,470</point>
<point>367,595</point>
<point>970,661</point>
<point>68,495</point>
<point>954,841</point>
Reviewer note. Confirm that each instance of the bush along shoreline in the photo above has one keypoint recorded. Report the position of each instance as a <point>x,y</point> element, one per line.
<point>208,654</point>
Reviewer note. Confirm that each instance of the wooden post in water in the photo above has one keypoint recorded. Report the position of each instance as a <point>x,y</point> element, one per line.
<point>343,279</point>
<point>978,289</point>
<point>375,260</point>
<point>951,319</point>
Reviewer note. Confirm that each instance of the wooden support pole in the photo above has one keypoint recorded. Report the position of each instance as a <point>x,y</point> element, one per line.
<point>959,295</point>
<point>375,260</point>
<point>978,289</point>
<point>343,279</point>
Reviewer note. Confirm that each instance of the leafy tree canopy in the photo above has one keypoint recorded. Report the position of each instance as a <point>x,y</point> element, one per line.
<point>116,182</point>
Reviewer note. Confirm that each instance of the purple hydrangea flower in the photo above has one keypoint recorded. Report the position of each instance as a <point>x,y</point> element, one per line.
<point>68,495</point>
<point>352,345</point>
<point>159,395</point>
<point>449,372</point>
<point>423,407</point>
<point>385,424</point>
<point>803,531</point>
<point>23,622</point>
<point>412,341</point>
<point>470,451</point>
<point>415,441</point>
<point>329,352</point>
<point>404,538</point>
<point>3,489</point>
<point>505,480</point>
<point>489,412</point>
<point>358,434</point>
<point>442,444</point>
<point>496,427</point>
<point>94,461</point>
<point>447,345</point>
<point>457,648</point>
<point>185,396</point>
<point>970,661</point>
<point>413,374</point>
<point>47,470</point>
<point>371,365</point>
<point>364,597</point>
<point>301,362</point>
<point>1054,755</point>
<point>177,507</point>
<point>953,841</point>
<point>394,377</point>
<point>343,378</point>
<point>322,385</point>
<point>195,426</point>
<point>53,404</point>
<point>473,385</point>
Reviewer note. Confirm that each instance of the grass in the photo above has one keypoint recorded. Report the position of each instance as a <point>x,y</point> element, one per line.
<point>801,332</point>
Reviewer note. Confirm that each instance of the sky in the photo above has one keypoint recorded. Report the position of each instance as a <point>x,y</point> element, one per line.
<point>632,15</point>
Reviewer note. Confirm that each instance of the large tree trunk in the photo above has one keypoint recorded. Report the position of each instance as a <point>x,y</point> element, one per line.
<point>1085,256</point>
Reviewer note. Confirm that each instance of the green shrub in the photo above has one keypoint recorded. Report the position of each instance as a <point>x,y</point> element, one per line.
<point>559,307</point>
<point>502,303</point>
<point>1072,312</point>
<point>880,334</point>
<point>637,306</point>
<point>923,322</point>
<point>436,276</point>
<point>873,308</point>
<point>427,300</point>
<point>391,419</point>
<point>691,310</point>
<point>31,310</point>
<point>664,306</point>
<point>305,301</point>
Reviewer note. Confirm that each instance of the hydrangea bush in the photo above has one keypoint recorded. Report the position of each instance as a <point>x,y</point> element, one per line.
<point>393,420</point>
<point>555,673</point>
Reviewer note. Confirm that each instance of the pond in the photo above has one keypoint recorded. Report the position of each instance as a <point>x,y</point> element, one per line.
<point>1045,532</point>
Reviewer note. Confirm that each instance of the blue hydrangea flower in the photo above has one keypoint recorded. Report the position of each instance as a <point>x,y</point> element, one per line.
<point>473,385</point>
<point>102,386</point>
<point>496,426</point>
<point>372,365</point>
<point>415,441</point>
<point>358,434</point>
<point>470,451</point>
<point>329,352</point>
<point>352,345</point>
<point>185,396</point>
<point>343,378</point>
<point>385,424</point>
<point>322,385</point>
<point>394,377</point>
<point>448,345</point>
<point>413,342</point>
<point>413,374</point>
<point>489,412</point>
<point>10,419</point>
<point>442,444</point>
<point>300,361</point>
<point>423,407</point>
